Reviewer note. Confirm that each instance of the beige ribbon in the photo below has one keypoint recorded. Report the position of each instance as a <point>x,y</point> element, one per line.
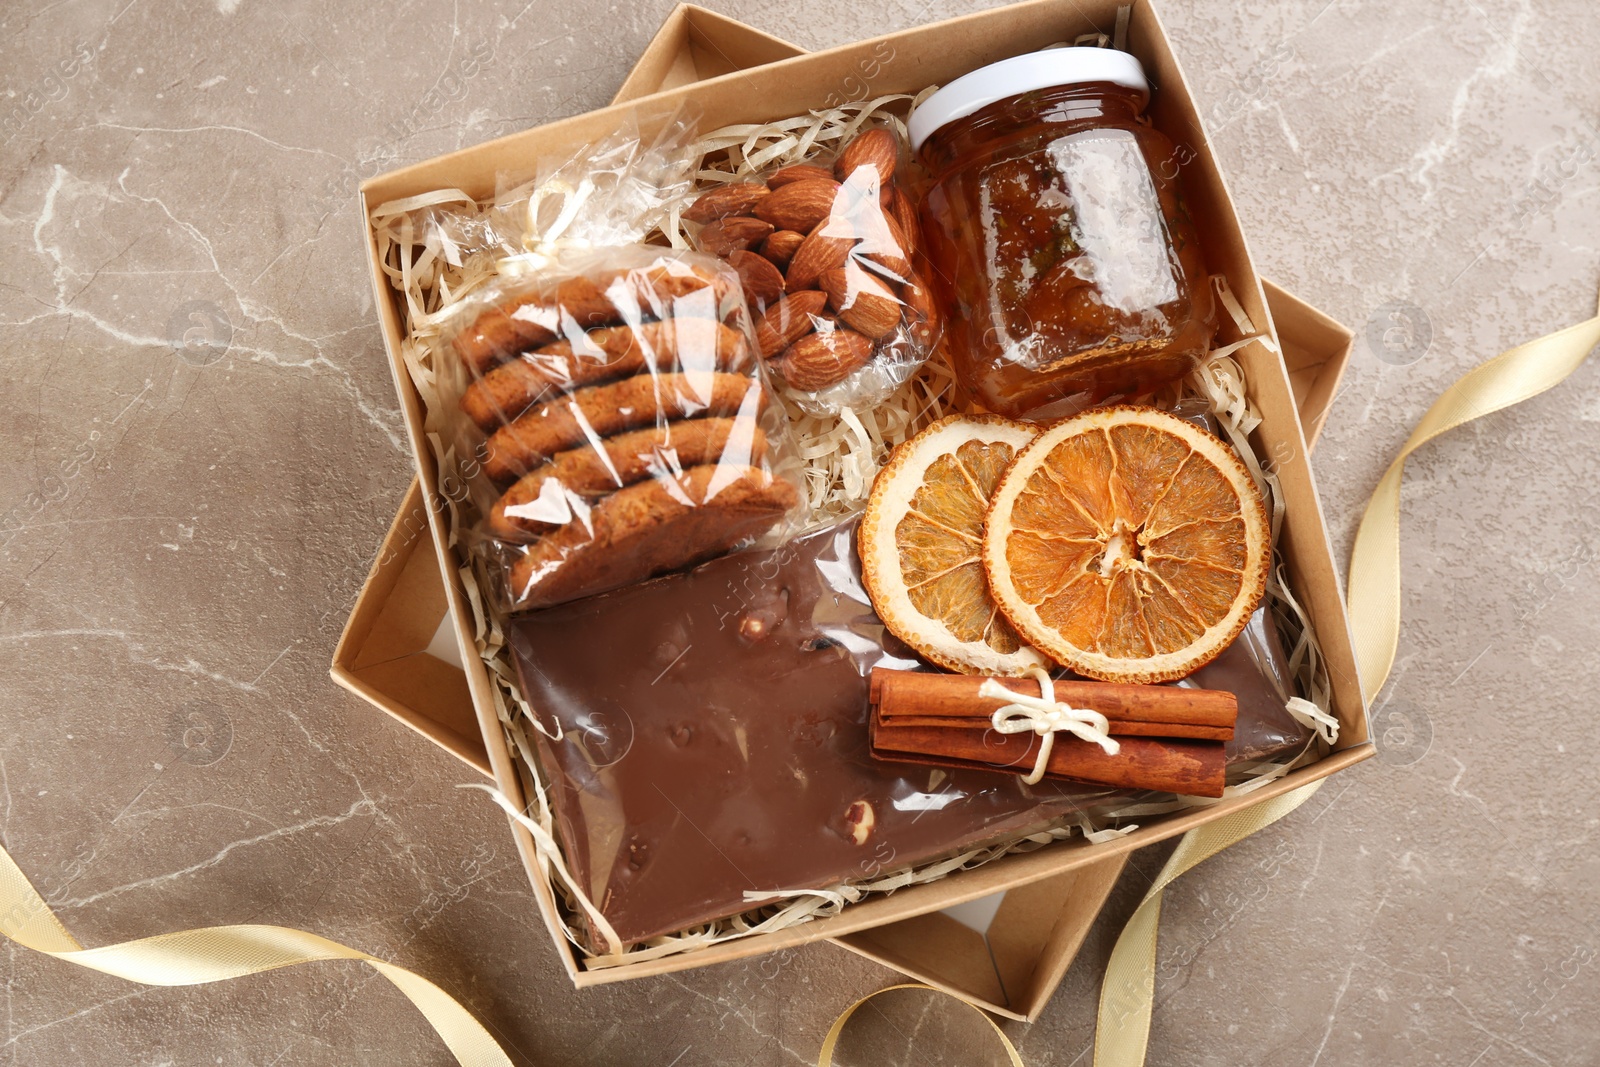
<point>217,953</point>
<point>1128,989</point>
<point>1509,378</point>
<point>1127,992</point>
<point>825,1057</point>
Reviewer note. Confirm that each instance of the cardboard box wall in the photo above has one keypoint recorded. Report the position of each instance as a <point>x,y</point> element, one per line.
<point>899,929</point>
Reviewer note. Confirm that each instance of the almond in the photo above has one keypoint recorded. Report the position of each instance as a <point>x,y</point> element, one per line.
<point>781,246</point>
<point>921,312</point>
<point>735,198</point>
<point>859,819</point>
<point>798,205</point>
<point>763,285</point>
<point>886,246</point>
<point>730,233</point>
<point>819,360</point>
<point>817,253</point>
<point>864,304</point>
<point>800,172</point>
<point>905,213</point>
<point>790,319</point>
<point>859,207</point>
<point>875,148</point>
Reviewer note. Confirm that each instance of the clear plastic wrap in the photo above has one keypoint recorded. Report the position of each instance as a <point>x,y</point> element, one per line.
<point>605,394</point>
<point>826,250</point>
<point>620,420</point>
<point>707,739</point>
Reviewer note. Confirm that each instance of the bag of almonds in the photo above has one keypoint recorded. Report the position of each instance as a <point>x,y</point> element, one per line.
<point>611,421</point>
<point>826,252</point>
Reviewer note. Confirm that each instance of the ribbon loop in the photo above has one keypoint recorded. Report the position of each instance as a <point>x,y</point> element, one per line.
<point>831,1040</point>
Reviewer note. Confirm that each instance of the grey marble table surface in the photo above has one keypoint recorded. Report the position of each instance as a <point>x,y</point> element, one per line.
<point>185,538</point>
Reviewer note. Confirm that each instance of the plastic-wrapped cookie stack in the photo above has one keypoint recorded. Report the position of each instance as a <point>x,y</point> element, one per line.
<point>621,421</point>
<point>826,253</point>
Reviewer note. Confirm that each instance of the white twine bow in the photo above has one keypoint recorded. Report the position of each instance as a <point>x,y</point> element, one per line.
<point>1045,716</point>
<point>543,244</point>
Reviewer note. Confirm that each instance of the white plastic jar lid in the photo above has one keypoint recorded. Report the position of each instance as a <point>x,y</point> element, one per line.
<point>1023,74</point>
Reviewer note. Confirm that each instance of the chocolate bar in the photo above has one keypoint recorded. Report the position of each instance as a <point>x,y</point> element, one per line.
<point>714,742</point>
<point>713,739</point>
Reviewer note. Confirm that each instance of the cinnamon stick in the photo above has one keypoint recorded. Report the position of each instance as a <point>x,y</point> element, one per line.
<point>1192,768</point>
<point>1170,739</point>
<point>920,698</point>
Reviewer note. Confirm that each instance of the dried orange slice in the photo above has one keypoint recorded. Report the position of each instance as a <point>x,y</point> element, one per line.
<point>1128,545</point>
<point>921,543</point>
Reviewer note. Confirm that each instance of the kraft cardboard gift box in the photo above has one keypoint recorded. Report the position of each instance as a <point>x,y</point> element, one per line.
<point>402,646</point>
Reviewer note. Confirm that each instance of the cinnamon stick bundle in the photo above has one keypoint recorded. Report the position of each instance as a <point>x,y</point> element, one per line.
<point>1170,739</point>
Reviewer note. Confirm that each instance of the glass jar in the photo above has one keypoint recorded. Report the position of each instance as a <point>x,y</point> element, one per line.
<point>1058,235</point>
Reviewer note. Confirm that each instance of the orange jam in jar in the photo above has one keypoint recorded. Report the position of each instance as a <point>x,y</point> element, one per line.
<point>1058,235</point>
